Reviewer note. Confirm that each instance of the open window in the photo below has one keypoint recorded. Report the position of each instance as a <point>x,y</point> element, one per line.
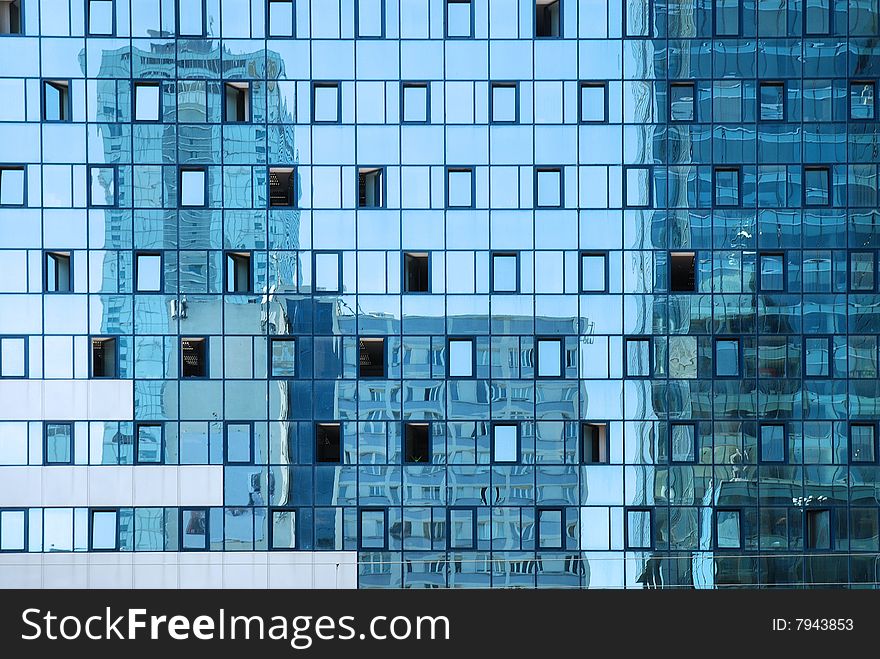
<point>594,443</point>
<point>10,17</point>
<point>818,529</point>
<point>371,187</point>
<point>418,443</point>
<point>104,357</point>
<point>548,18</point>
<point>237,101</point>
<point>147,101</point>
<point>371,361</point>
<point>328,442</point>
<point>56,100</point>
<point>416,272</point>
<point>281,186</point>
<point>58,272</point>
<point>238,272</point>
<point>12,186</point>
<point>682,272</point>
<point>194,357</point>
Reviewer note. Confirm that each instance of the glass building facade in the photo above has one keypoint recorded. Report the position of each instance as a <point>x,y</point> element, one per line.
<point>452,293</point>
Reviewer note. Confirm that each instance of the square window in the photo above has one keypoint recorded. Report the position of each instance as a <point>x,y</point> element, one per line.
<point>328,442</point>
<point>728,534</point>
<point>862,269</point>
<point>283,529</point>
<point>150,444</point>
<point>593,102</point>
<point>462,528</point>
<point>104,357</point>
<point>11,186</point>
<point>371,187</point>
<point>191,18</point>
<point>10,17</point>
<point>146,101</point>
<point>102,186</point>
<point>370,19</point>
<point>816,186</point>
<point>505,273</point>
<point>817,356</point>
<point>237,101</point>
<point>13,362</point>
<point>148,272</point>
<point>637,187</point>
<point>862,442</point>
<point>772,98</point>
<point>415,102</point>
<point>371,361</point>
<point>460,188</point>
<point>727,358</point>
<point>283,358</point>
<point>104,530</point>
<point>59,443</point>
<point>372,529</point>
<point>239,443</point>
<point>505,443</point>
<point>327,275</point>
<point>682,101</point>
<point>56,100</point>
<point>548,18</point>
<point>594,443</point>
<point>772,442</point>
<point>550,533</point>
<point>13,525</point>
<point>593,273</point>
<point>772,272</point>
<point>238,272</point>
<point>281,18</point>
<point>818,531</point>
<point>418,443</point>
<point>683,441</point>
<point>726,187</point>
<point>326,102</point>
<point>461,358</point>
<point>638,357</point>
<point>727,18</point>
<point>861,100</point>
<point>281,186</point>
<point>818,16</point>
<point>100,17</point>
<point>548,184</point>
<point>459,18</point>
<point>193,357</point>
<point>58,272</point>
<point>683,272</point>
<point>639,529</point>
<point>194,529</point>
<point>549,358</point>
<point>504,102</point>
<point>192,187</point>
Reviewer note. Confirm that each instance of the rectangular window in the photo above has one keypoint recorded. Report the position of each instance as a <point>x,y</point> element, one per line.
<point>373,525</point>
<point>283,529</point>
<point>727,101</point>
<point>862,442</point>
<point>638,356</point>
<point>281,18</point>
<point>371,187</point>
<point>148,272</point>
<point>56,100</point>
<point>727,358</point>
<point>150,447</point>
<point>726,186</point>
<point>548,18</point>
<point>772,100</point>
<point>682,101</point>
<point>639,529</point>
<point>238,272</point>
<point>505,442</point>
<point>281,186</point>
<point>10,17</point>
<point>818,17</point>
<point>638,18</point>
<point>505,273</point>
<point>683,272</point>
<point>817,356</point>
<point>237,101</point>
<point>192,101</point>
<point>460,187</point>
<point>191,18</point>
<point>459,19</point>
<point>416,276</point>
<point>550,528</point>
<point>862,271</point>
<point>728,533</point>
<point>416,109</point>
<point>594,269</point>
<point>193,357</point>
<point>193,191</point>
<point>370,19</point>
<point>102,185</point>
<point>683,442</point>
<point>418,443</point>
<point>594,443</point>
<point>12,186</point>
<point>13,524</point>
<point>326,103</point>
<point>462,528</point>
<point>59,272</point>
<point>818,531</point>
<point>13,357</point>
<point>461,358</point>
<point>817,185</point>
<point>58,448</point>
<point>773,447</point>
<point>772,272</point>
<point>637,186</point>
<point>100,17</point>
<point>104,357</point>
<point>549,358</point>
<point>104,530</point>
<point>327,272</point>
<point>283,358</point>
<point>328,442</point>
<point>147,101</point>
<point>548,187</point>
<point>239,443</point>
<point>727,18</point>
<point>593,102</point>
<point>371,361</point>
<point>504,102</point>
<point>861,100</point>
<point>194,529</point>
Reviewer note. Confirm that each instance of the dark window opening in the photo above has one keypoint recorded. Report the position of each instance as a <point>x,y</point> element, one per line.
<point>238,101</point>
<point>371,362</point>
<point>418,442</point>
<point>58,272</point>
<point>416,273</point>
<point>194,358</point>
<point>594,443</point>
<point>818,529</point>
<point>238,272</point>
<point>370,187</point>
<point>10,17</point>
<point>726,186</point>
<point>328,444</point>
<point>56,100</point>
<point>104,358</point>
<point>281,186</point>
<point>548,20</point>
<point>682,272</point>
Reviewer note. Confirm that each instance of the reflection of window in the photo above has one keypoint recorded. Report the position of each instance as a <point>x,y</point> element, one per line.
<point>146,101</point>
<point>682,101</point>
<point>10,17</point>
<point>727,357</point>
<point>462,528</point>
<point>58,447</point>
<point>772,101</point>
<point>325,102</point>
<point>104,357</point>
<point>11,186</point>
<point>862,269</point>
<point>194,529</point>
<point>818,16</point>
<point>683,440</point>
<point>370,19</point>
<point>505,273</point>
<point>460,187</point>
<point>191,18</point>
<point>149,437</point>
<point>638,357</point>
<point>58,272</point>
<point>727,101</point>
<point>418,443</point>
<point>238,272</point>
<point>817,356</point>
<point>372,528</point>
<point>818,531</point>
<point>239,443</point>
<point>281,186</point>
<point>281,18</point>
<point>862,442</point>
<point>549,358</point>
<point>371,358</point>
<point>461,358</point>
<point>13,362</point>
<point>682,272</point>
<point>237,101</point>
<point>772,442</point>
<point>283,529</point>
<point>102,185</point>
<point>593,272</point>
<point>148,272</point>
<point>100,17</point>
<point>371,188</point>
<point>593,102</point>
<point>283,358</point>
<point>548,18</point>
<point>328,442</point>
<point>772,272</point>
<point>192,186</point>
<point>194,357</point>
<point>504,102</point>
<point>594,443</point>
<point>56,100</point>
<point>550,528</point>
<point>639,528</point>
<point>416,276</point>
<point>416,109</point>
<point>816,186</point>
<point>727,529</point>
<point>505,442</point>
<point>726,186</point>
<point>327,274</point>
<point>459,18</point>
<point>548,185</point>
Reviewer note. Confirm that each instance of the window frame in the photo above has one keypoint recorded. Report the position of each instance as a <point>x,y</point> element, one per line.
<point>682,253</point>
<point>446,34</point>
<point>21,22</point>
<point>452,169</point>
<point>177,23</point>
<point>338,424</point>
<point>783,257</point>
<point>560,341</point>
<point>592,84</point>
<point>829,349</point>
<point>372,509</point>
<point>251,443</point>
<point>292,191</point>
<point>473,361</point>
<point>182,530</point>
<point>773,83</point>
<point>116,357</point>
<point>776,424</point>
<point>339,285</point>
<point>88,19</point>
<point>268,17</point>
<point>357,23</point>
<point>137,439</point>
<point>504,254</point>
<point>472,510</point>
<point>518,439</point>
<point>65,102</point>
<point>696,442</point>
<point>830,17</point>
<point>849,271</point>
<point>367,170</point>
<point>862,424</point>
<point>236,83</point>
<point>809,512</point>
<point>646,338</point>
<point>582,460</point>
<point>405,437</point>
<point>715,22</point>
<point>148,82</point>
<point>232,255</point>
<point>271,523</point>
<point>715,534</point>
<point>504,84</point>
<point>206,342</point>
<point>102,510</point>
<point>416,84</point>
<point>383,341</point>
<point>48,254</point>
<point>649,170</point>
<point>16,167</point>
<point>544,169</point>
<point>181,170</point>
<point>90,202</point>
<point>679,84</point>
<point>24,538</point>
<point>626,523</point>
<point>738,170</point>
<point>72,443</point>
<point>283,339</point>
<point>25,355</point>
<point>327,84</point>
<point>739,356</point>
<point>828,186</point>
<point>137,255</point>
<point>862,81</point>
<point>590,254</point>
<point>539,511</point>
